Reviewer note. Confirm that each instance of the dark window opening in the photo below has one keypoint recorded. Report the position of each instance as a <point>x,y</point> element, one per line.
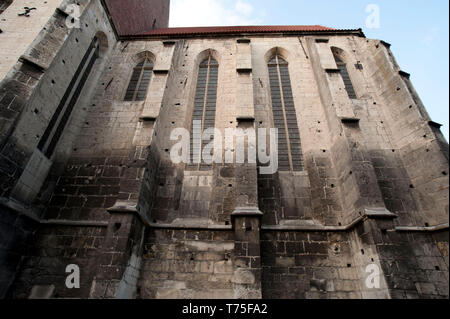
<point>290,157</point>
<point>346,77</point>
<point>204,107</point>
<point>140,79</point>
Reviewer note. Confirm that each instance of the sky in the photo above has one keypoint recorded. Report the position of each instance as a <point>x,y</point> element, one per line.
<point>417,29</point>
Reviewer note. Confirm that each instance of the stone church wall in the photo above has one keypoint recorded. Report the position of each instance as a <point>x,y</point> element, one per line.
<point>140,226</point>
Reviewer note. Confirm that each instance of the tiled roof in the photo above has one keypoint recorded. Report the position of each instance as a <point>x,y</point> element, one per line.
<point>192,31</point>
<point>136,16</point>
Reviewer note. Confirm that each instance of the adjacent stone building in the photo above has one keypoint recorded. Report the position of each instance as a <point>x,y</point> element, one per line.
<point>88,104</point>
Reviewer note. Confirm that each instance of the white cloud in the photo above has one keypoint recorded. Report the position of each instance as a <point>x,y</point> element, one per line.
<point>201,13</point>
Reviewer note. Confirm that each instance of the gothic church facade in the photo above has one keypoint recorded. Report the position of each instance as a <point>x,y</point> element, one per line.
<point>89,99</point>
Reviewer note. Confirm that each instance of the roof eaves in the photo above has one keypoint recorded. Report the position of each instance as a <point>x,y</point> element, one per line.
<point>230,33</point>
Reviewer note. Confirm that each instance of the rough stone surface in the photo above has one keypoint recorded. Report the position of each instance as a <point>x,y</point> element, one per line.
<point>140,226</point>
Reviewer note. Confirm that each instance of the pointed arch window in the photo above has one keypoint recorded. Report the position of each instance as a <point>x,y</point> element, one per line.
<point>204,107</point>
<point>345,76</point>
<point>140,79</point>
<point>290,156</point>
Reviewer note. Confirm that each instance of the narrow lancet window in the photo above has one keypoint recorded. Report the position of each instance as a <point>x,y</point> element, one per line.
<point>345,76</point>
<point>140,79</point>
<point>290,156</point>
<point>204,109</point>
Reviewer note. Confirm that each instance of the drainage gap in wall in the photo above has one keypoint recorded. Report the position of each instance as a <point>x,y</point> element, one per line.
<point>117,227</point>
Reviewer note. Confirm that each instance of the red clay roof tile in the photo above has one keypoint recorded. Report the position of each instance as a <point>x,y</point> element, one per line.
<point>234,29</point>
